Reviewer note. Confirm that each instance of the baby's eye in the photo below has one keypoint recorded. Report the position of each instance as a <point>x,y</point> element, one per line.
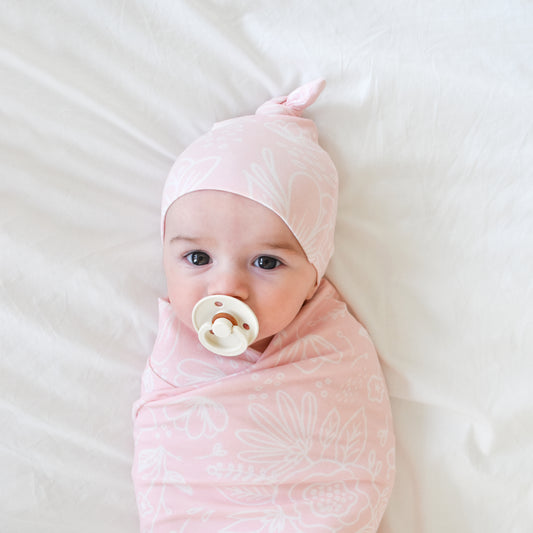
<point>266,262</point>
<point>198,258</point>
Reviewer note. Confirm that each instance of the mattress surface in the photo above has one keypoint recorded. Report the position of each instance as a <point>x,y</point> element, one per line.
<point>428,116</point>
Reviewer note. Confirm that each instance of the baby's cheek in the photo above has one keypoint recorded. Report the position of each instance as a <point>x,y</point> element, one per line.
<point>180,302</point>
<point>280,315</point>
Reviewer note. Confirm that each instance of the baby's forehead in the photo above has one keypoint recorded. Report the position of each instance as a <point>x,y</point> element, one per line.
<point>212,202</point>
<point>221,213</point>
<point>230,208</point>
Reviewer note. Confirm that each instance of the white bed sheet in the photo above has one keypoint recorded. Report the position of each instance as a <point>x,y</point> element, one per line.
<point>428,115</point>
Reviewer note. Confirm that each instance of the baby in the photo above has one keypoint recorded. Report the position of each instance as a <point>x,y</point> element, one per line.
<point>263,405</point>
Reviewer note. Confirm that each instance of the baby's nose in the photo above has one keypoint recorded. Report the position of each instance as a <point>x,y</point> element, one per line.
<point>230,282</point>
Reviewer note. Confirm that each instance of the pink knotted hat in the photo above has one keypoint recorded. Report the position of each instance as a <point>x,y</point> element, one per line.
<point>272,157</point>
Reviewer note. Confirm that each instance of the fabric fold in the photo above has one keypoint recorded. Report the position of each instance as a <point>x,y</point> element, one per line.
<point>301,434</point>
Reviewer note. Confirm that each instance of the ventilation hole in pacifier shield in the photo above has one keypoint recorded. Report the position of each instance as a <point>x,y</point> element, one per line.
<point>219,304</point>
<point>246,326</point>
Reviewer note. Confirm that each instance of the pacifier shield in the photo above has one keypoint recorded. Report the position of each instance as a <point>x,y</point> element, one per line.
<point>225,325</point>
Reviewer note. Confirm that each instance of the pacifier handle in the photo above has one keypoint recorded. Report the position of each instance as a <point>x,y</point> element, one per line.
<point>208,338</point>
<point>223,324</point>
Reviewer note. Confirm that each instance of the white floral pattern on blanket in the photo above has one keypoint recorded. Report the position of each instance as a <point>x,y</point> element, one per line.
<point>266,442</point>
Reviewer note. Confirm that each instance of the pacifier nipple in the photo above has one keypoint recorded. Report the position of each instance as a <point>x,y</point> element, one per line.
<point>225,325</point>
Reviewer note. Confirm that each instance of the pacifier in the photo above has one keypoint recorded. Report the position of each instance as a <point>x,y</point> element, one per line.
<point>225,325</point>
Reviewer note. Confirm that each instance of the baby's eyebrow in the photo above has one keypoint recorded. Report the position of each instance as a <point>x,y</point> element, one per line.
<point>282,245</point>
<point>286,246</point>
<point>186,238</point>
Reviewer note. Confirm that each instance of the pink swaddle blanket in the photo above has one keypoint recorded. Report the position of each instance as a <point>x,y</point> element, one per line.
<point>298,438</point>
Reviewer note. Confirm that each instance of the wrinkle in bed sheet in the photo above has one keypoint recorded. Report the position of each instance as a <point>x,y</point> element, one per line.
<point>429,120</point>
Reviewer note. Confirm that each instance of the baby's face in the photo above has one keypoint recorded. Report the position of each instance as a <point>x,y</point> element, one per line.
<point>221,243</point>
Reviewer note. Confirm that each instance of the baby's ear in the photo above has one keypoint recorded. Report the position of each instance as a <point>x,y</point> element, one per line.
<point>313,289</point>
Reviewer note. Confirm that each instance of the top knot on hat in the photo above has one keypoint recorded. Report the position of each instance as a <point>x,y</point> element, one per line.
<point>296,102</point>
